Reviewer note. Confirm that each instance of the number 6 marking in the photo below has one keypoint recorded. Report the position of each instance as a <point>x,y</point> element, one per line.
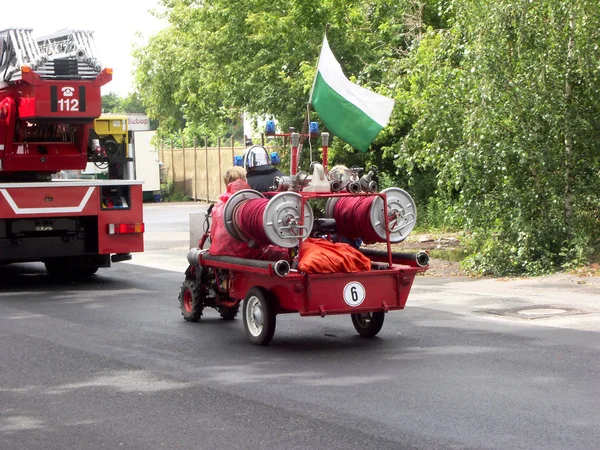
<point>354,294</point>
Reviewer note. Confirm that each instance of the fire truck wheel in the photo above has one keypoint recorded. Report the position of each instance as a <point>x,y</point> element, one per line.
<point>67,269</point>
<point>259,315</point>
<point>191,300</point>
<point>229,313</point>
<point>368,324</point>
<point>87,271</point>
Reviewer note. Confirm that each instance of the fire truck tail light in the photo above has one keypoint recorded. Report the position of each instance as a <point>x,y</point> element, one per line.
<point>25,69</point>
<point>125,228</point>
<point>109,71</point>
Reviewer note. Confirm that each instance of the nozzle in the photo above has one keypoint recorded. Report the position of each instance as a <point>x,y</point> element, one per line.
<point>336,185</point>
<point>281,268</point>
<point>353,187</point>
<point>422,259</point>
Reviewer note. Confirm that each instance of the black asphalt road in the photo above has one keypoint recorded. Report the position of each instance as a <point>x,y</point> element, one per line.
<point>110,363</point>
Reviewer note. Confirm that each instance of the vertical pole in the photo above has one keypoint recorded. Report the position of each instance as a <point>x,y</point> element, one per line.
<point>295,138</point>
<point>162,151</point>
<point>206,167</point>
<point>184,172</point>
<point>172,166</point>
<point>219,151</point>
<point>232,150</point>
<point>325,144</point>
<point>262,139</point>
<point>195,170</point>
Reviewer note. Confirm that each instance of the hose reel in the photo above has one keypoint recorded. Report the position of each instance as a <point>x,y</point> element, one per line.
<point>249,217</point>
<point>401,216</point>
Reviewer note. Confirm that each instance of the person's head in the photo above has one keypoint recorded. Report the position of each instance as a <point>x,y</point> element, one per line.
<point>234,173</point>
<point>256,156</point>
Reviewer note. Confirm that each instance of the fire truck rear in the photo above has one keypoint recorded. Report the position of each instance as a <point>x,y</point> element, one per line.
<point>49,98</point>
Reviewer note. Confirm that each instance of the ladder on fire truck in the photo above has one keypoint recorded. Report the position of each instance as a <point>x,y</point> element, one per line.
<point>69,53</point>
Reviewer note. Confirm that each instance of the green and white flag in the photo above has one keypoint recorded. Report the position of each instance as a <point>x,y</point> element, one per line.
<point>349,111</point>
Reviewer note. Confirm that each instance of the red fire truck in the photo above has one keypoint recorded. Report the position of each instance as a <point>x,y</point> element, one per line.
<point>49,98</point>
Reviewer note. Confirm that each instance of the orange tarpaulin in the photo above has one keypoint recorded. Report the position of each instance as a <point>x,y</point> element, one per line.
<point>323,256</point>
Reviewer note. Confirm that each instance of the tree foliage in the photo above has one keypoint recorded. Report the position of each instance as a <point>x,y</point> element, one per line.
<point>496,124</point>
<point>113,103</point>
<point>506,102</point>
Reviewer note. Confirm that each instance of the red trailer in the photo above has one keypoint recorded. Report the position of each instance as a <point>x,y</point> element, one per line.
<point>269,288</point>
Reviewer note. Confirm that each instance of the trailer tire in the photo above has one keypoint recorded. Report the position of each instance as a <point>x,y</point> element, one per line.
<point>191,300</point>
<point>259,315</point>
<point>229,313</point>
<point>368,324</point>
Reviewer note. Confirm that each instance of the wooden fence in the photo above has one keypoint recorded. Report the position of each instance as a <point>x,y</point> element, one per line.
<point>197,171</point>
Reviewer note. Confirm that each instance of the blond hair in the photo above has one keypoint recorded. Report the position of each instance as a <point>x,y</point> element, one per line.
<point>234,173</point>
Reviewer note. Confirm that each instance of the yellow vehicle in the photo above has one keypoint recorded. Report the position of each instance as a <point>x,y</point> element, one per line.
<point>112,131</point>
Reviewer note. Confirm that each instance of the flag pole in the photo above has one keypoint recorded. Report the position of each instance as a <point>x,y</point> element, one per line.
<point>308,105</point>
<point>317,68</point>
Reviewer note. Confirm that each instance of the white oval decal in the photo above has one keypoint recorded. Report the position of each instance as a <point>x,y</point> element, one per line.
<point>354,294</point>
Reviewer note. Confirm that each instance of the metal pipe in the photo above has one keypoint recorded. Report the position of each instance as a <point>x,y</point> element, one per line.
<point>419,259</point>
<point>192,256</point>
<point>243,261</point>
<point>325,146</point>
<point>281,268</point>
<point>295,138</point>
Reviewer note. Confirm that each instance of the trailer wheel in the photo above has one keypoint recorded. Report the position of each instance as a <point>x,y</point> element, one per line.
<point>191,300</point>
<point>259,316</point>
<point>368,324</point>
<point>229,313</point>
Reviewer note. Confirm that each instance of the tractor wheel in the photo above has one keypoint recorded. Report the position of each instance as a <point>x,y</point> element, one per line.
<point>368,324</point>
<point>229,313</point>
<point>259,316</point>
<point>191,300</point>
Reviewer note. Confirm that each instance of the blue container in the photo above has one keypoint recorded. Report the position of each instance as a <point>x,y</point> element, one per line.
<point>314,128</point>
<point>275,159</point>
<point>270,127</point>
<point>237,161</point>
<point>157,198</point>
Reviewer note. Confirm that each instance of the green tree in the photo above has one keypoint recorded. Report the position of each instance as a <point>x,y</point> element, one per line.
<point>113,103</point>
<point>110,102</point>
<point>506,102</point>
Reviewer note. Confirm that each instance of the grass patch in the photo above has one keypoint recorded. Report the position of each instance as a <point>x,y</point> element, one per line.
<point>449,254</point>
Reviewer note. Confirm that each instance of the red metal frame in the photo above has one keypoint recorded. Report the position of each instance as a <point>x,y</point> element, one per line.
<point>322,294</point>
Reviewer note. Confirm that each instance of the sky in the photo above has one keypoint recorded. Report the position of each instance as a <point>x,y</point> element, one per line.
<point>114,22</point>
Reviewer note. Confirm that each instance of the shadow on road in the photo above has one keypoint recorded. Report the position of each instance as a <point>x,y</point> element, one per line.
<point>33,276</point>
